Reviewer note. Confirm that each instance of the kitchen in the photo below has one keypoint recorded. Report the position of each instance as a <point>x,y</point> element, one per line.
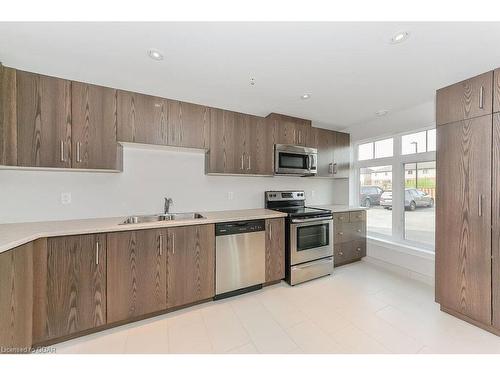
<point>203,201</point>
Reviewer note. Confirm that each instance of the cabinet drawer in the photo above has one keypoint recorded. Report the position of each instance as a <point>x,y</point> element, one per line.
<point>357,231</point>
<point>356,216</point>
<point>339,218</point>
<point>340,233</point>
<point>349,251</point>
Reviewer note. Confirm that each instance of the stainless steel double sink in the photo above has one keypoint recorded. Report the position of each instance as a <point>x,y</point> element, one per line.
<point>162,217</point>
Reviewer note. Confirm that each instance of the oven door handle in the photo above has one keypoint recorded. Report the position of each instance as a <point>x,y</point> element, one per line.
<point>318,219</point>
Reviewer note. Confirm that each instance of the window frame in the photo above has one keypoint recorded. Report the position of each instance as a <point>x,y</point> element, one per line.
<point>398,161</point>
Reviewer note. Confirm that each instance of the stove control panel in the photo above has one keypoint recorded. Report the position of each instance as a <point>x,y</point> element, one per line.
<point>285,196</point>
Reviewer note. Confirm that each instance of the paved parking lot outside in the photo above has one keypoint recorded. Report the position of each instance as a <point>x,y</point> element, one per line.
<point>419,224</point>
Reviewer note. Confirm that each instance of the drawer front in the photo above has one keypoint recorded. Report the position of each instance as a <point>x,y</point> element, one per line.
<point>356,216</point>
<point>357,231</point>
<point>340,233</point>
<point>340,218</point>
<point>349,251</point>
<point>359,248</point>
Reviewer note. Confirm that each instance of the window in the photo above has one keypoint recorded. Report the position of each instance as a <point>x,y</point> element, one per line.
<point>376,150</point>
<point>419,142</point>
<point>420,196</point>
<point>373,186</point>
<point>397,178</point>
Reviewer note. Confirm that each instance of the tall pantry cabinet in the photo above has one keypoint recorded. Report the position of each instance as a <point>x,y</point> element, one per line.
<point>468,200</point>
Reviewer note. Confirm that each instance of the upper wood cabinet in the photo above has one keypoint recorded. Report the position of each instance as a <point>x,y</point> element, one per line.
<point>8,116</point>
<point>496,90</point>
<point>190,264</point>
<point>188,125</point>
<point>142,118</point>
<point>153,120</point>
<point>463,217</point>
<point>275,249</point>
<point>342,155</point>
<point>69,289</point>
<point>467,99</point>
<point>261,146</point>
<point>222,156</point>
<point>43,121</point>
<point>93,135</point>
<point>136,273</point>
<point>324,140</point>
<point>290,130</point>
<point>16,297</point>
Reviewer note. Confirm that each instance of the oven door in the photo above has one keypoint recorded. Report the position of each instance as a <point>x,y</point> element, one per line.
<point>310,239</point>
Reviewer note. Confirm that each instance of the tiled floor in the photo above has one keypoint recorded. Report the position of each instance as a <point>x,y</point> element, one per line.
<point>359,309</point>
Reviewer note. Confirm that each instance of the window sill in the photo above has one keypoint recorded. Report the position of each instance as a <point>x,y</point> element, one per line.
<point>403,247</point>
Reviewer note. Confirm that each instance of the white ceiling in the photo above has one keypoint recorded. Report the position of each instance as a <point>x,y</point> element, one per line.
<point>350,69</point>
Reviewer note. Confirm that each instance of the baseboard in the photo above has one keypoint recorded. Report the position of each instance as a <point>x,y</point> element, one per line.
<point>399,270</point>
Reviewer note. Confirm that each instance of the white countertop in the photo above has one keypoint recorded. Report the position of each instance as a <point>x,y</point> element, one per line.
<point>16,234</point>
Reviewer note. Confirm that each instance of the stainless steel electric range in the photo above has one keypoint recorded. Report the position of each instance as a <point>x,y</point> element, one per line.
<point>309,236</point>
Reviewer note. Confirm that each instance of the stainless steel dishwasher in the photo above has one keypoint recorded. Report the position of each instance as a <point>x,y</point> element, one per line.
<point>239,257</point>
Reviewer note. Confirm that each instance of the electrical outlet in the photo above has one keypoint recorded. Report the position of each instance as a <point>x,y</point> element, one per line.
<point>230,195</point>
<point>65,198</point>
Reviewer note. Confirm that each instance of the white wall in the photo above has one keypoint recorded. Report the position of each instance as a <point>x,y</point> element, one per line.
<point>149,175</point>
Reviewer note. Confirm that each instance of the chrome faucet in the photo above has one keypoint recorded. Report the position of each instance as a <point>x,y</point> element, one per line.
<point>168,202</point>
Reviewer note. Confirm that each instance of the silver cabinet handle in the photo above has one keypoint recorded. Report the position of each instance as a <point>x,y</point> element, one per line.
<point>242,167</point>
<point>480,204</point>
<point>78,144</point>
<point>173,243</point>
<point>359,230</point>
<point>97,253</point>
<point>249,164</point>
<point>270,231</point>
<point>334,168</point>
<point>341,253</point>
<point>160,244</point>
<point>295,135</point>
<point>300,136</point>
<point>341,233</point>
<point>358,249</point>
<point>62,150</point>
<point>481,97</point>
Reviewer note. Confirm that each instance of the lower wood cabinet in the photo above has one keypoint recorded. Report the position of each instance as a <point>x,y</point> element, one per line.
<point>69,286</point>
<point>136,273</point>
<point>16,297</point>
<point>349,236</point>
<point>275,249</point>
<point>190,264</point>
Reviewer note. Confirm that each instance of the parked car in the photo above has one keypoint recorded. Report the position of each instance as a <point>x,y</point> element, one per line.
<point>413,198</point>
<point>370,196</point>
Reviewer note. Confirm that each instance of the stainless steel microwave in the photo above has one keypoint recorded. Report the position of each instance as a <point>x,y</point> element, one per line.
<point>295,160</point>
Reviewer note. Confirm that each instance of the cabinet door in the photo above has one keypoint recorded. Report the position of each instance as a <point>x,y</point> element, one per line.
<point>94,127</point>
<point>43,121</point>
<point>275,249</point>
<point>464,100</point>
<point>290,130</point>
<point>341,155</point>
<point>242,161</point>
<point>136,273</point>
<point>463,217</point>
<point>69,286</point>
<point>188,125</point>
<point>221,157</point>
<point>496,90</point>
<point>141,118</point>
<point>16,297</point>
<point>8,123</point>
<point>190,264</point>
<point>495,209</point>
<point>261,146</point>
<point>324,141</point>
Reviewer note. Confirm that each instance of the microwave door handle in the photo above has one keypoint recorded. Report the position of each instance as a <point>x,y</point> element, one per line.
<point>309,162</point>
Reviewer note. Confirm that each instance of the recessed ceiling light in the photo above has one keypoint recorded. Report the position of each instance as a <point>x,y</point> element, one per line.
<point>305,96</point>
<point>400,37</point>
<point>382,112</point>
<point>155,54</point>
